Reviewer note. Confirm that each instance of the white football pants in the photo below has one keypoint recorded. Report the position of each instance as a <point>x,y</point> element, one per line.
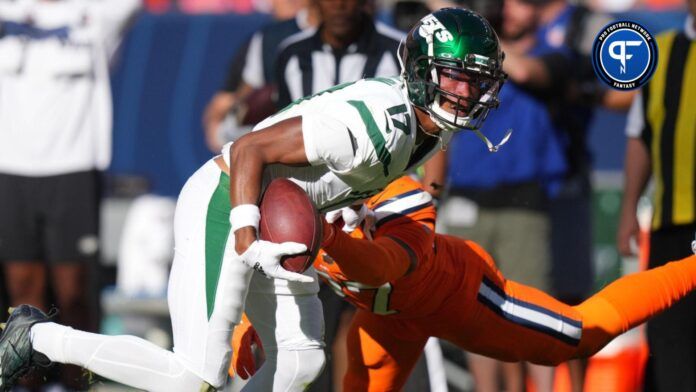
<point>206,298</point>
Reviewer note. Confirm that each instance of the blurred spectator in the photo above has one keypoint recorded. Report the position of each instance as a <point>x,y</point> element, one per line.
<point>563,75</point>
<point>661,133</point>
<point>560,72</point>
<point>501,200</point>
<point>567,69</point>
<point>406,13</point>
<point>663,4</point>
<point>283,9</point>
<point>216,6</point>
<point>200,6</point>
<point>612,6</point>
<point>347,46</point>
<point>146,248</point>
<point>55,115</point>
<point>251,75</point>
<point>158,6</point>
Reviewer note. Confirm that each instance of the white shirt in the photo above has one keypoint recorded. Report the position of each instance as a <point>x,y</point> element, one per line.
<point>55,99</point>
<point>635,120</point>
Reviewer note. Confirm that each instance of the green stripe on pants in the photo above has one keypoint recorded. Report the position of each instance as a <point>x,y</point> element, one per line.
<point>217,231</point>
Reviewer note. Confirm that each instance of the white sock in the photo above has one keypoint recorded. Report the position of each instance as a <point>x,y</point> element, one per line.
<point>126,359</point>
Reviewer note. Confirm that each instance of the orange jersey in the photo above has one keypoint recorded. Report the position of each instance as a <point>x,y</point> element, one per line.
<point>405,217</point>
<point>416,284</point>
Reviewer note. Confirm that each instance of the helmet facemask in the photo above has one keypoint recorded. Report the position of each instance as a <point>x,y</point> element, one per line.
<point>462,112</point>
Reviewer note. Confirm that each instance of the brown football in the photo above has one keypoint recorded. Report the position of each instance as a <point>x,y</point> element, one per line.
<point>287,214</point>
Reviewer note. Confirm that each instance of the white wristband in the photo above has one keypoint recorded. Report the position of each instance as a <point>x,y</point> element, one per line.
<point>245,215</point>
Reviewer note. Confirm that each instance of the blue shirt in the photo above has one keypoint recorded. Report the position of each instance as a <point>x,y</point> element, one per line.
<point>533,153</point>
<point>551,37</point>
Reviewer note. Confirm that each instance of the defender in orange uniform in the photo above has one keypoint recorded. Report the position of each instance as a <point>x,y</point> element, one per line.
<point>410,283</point>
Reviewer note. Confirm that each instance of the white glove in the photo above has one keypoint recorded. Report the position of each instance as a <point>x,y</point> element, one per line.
<point>264,256</point>
<point>352,219</point>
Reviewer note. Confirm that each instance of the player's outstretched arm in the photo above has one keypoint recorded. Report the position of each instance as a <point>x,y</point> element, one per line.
<point>540,329</point>
<point>357,257</point>
<point>633,299</point>
<point>404,231</point>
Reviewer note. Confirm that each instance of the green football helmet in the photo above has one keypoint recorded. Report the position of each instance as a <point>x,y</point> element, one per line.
<point>459,42</point>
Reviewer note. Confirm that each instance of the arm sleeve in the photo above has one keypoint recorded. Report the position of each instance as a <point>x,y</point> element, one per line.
<point>399,247</point>
<point>369,262</point>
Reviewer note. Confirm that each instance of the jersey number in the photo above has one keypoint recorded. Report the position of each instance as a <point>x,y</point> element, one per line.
<point>380,302</point>
<point>380,305</point>
<point>393,111</point>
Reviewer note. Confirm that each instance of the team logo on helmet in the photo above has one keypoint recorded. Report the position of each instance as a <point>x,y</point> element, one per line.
<point>430,26</point>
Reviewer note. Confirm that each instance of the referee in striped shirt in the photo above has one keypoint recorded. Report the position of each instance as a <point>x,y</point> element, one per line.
<point>349,45</point>
<point>661,132</point>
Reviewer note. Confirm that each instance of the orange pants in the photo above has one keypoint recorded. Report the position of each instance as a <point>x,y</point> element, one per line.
<point>490,315</point>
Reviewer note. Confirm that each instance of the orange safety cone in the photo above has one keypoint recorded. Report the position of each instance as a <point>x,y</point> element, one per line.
<point>620,368</point>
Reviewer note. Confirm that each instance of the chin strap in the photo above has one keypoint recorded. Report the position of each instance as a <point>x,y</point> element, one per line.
<point>443,145</point>
<point>438,136</point>
<point>489,145</point>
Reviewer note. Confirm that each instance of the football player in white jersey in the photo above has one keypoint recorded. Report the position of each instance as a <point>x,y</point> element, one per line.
<point>341,146</point>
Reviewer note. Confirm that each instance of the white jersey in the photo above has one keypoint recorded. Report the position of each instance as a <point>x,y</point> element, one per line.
<point>358,137</point>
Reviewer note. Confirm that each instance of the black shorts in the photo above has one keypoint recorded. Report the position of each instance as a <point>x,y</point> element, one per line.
<point>53,218</point>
